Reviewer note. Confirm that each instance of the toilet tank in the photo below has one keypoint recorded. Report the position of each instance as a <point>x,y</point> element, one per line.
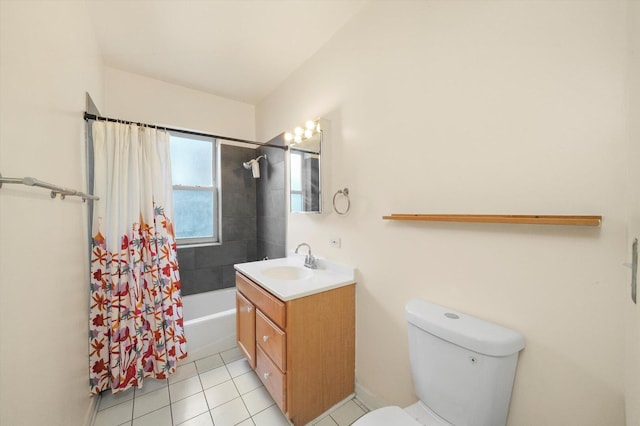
<point>463,367</point>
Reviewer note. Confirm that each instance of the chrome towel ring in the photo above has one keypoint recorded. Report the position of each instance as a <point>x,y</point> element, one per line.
<point>344,192</point>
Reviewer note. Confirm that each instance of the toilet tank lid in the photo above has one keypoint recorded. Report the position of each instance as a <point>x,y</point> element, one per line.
<point>464,330</point>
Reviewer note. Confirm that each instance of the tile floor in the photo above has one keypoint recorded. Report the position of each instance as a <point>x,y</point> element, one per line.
<point>219,390</point>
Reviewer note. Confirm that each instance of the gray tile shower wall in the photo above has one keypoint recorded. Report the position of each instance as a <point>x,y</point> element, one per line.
<point>211,267</point>
<point>271,203</point>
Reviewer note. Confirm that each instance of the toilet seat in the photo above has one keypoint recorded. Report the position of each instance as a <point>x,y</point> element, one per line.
<point>386,416</point>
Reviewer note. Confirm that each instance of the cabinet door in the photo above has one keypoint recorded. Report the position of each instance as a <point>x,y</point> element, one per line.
<point>246,328</point>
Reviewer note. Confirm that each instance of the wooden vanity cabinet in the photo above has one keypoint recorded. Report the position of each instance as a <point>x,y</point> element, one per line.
<point>303,350</point>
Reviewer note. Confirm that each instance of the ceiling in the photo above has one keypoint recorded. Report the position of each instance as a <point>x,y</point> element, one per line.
<point>237,49</point>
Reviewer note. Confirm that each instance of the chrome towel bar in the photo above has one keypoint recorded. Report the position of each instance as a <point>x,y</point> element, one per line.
<point>55,189</point>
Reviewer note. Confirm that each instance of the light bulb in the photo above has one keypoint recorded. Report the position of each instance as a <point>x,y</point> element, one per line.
<point>298,131</point>
<point>310,124</point>
<point>308,133</point>
<point>288,137</point>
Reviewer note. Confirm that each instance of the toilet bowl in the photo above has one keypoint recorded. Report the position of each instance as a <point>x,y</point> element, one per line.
<point>386,416</point>
<point>463,370</point>
<point>414,415</point>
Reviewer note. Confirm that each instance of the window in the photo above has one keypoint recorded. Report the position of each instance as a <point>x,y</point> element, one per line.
<point>195,194</point>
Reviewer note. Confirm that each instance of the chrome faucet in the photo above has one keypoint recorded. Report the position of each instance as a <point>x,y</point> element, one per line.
<point>309,261</point>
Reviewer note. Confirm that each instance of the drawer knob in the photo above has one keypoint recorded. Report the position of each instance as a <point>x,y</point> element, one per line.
<point>250,308</point>
<point>266,376</point>
<point>265,338</point>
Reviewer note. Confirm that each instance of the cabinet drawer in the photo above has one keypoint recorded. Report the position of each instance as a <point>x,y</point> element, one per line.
<point>270,305</point>
<point>272,340</point>
<point>272,377</point>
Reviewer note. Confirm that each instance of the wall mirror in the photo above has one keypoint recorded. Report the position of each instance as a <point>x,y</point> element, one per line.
<point>304,175</point>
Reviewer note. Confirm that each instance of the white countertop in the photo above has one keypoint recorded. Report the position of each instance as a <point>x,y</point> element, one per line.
<point>327,276</point>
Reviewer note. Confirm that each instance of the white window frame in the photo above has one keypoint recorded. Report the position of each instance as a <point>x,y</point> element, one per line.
<point>215,167</point>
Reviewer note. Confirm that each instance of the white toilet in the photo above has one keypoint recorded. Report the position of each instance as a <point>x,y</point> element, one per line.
<point>463,370</point>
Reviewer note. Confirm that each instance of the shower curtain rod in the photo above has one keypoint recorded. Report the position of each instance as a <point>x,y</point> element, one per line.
<point>88,116</point>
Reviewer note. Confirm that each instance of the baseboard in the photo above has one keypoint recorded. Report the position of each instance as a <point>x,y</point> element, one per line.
<point>367,398</point>
<point>92,410</point>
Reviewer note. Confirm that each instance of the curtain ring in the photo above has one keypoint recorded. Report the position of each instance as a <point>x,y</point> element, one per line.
<point>344,192</point>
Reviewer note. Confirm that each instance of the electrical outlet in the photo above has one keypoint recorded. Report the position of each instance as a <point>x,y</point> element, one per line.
<point>335,242</point>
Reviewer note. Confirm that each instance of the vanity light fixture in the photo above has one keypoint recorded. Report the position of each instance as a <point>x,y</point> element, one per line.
<point>311,127</point>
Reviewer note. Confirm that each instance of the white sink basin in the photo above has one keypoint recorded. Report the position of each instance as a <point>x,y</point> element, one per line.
<point>287,273</point>
<point>288,279</point>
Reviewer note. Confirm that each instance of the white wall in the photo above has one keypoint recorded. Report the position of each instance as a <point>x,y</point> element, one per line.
<point>48,60</point>
<point>479,107</point>
<point>138,98</point>
<point>632,311</point>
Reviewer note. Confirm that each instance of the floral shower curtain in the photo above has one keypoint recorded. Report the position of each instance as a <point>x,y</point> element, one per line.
<point>135,321</point>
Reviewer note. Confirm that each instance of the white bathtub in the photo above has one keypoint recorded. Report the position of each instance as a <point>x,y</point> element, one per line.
<point>209,322</point>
